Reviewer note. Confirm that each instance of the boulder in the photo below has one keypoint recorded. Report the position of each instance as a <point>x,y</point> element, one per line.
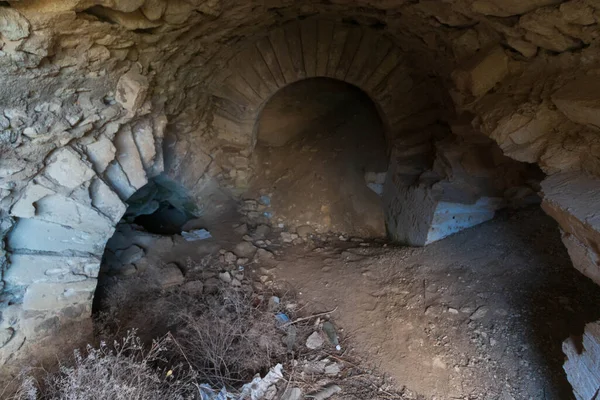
<point>571,198</point>
<point>481,73</point>
<point>154,9</point>
<point>582,363</point>
<point>579,100</point>
<point>101,153</point>
<point>13,25</point>
<point>67,169</point>
<point>132,89</point>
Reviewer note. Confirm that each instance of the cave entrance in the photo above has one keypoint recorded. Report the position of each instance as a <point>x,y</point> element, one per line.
<point>321,158</point>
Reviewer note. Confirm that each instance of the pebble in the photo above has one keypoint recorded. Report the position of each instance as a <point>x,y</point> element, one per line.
<point>287,237</point>
<point>292,394</point>
<point>261,231</point>
<point>314,341</point>
<point>230,258</point>
<point>305,231</point>
<point>479,313</point>
<point>332,369</point>
<point>225,277</point>
<point>242,261</point>
<point>244,250</point>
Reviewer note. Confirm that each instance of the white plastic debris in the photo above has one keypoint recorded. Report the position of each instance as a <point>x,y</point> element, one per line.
<point>197,234</point>
<point>257,389</point>
<point>208,393</point>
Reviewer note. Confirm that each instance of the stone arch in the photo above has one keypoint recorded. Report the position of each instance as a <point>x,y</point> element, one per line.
<point>67,212</point>
<point>310,48</point>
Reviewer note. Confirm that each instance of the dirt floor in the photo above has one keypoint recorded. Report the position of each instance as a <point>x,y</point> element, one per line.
<point>479,315</point>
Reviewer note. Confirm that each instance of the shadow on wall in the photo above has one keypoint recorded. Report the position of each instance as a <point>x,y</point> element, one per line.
<point>161,206</point>
<point>556,299</point>
<point>309,106</point>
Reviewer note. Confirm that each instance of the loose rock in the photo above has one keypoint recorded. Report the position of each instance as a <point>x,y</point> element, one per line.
<point>315,341</point>
<point>245,250</point>
<point>170,275</point>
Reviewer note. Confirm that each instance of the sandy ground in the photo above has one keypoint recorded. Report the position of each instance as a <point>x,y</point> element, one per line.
<point>479,315</point>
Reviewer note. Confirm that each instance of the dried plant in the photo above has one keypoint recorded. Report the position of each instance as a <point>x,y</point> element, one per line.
<point>229,337</point>
<point>124,370</point>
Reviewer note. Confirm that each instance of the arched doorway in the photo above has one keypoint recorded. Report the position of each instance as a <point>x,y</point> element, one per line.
<point>321,157</point>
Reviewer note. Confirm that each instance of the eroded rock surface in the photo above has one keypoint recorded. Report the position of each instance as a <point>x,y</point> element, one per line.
<point>98,96</point>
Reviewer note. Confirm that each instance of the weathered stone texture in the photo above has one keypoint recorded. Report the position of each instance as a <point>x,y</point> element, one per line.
<point>582,363</point>
<point>572,199</point>
<point>85,104</point>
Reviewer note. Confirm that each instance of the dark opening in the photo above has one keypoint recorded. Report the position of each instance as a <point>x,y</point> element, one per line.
<point>322,157</point>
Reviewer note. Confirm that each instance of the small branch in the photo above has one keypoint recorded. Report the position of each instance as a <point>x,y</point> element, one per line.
<point>307,318</point>
<point>180,349</point>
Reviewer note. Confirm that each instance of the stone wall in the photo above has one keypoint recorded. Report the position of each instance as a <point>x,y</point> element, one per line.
<point>97,96</point>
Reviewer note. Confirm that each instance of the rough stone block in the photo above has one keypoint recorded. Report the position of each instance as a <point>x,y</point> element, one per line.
<point>571,198</point>
<point>408,212</point>
<point>107,201</point>
<point>26,269</point>
<point>154,9</point>
<point>144,140</point>
<point>24,207</point>
<point>119,181</point>
<point>450,218</point>
<point>61,210</point>
<point>37,235</point>
<point>584,259</point>
<point>579,100</point>
<point>582,363</point>
<point>480,74</point>
<point>55,296</point>
<point>129,158</point>
<point>101,153</point>
<point>128,20</point>
<point>67,169</point>
<point>13,25</point>
<point>131,90</point>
